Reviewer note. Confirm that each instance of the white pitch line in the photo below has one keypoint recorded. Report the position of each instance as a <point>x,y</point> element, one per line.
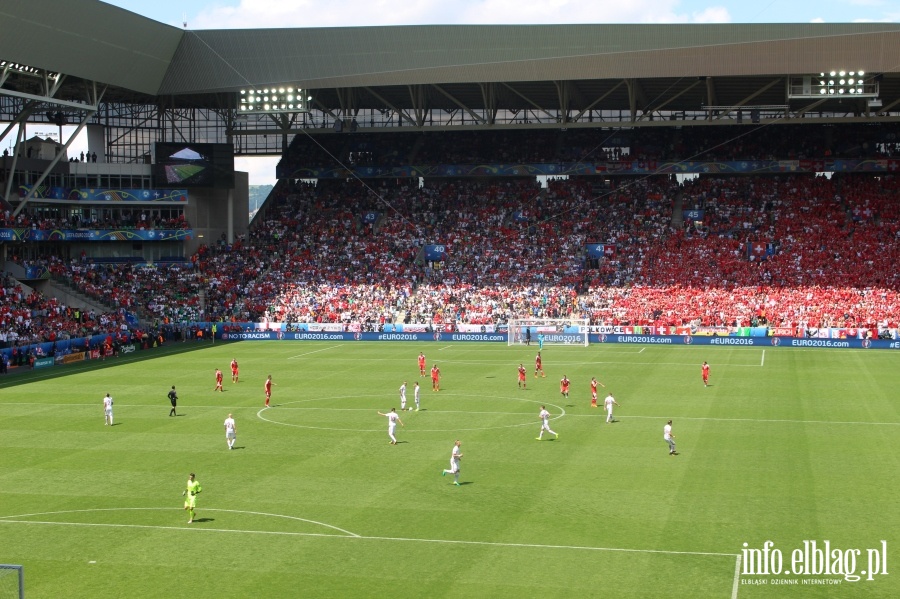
<point>312,352</point>
<point>370,538</point>
<point>785,420</point>
<point>642,350</point>
<point>737,575</point>
<point>147,509</point>
<point>445,347</point>
<point>762,361</point>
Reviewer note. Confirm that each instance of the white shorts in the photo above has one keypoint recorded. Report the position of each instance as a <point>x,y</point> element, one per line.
<point>109,411</point>
<point>454,467</point>
<point>231,435</point>
<point>545,426</point>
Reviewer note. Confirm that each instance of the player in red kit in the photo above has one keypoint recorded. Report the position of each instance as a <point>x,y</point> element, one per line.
<point>421,364</point>
<point>705,371</point>
<point>564,386</point>
<point>538,366</point>
<point>522,383</point>
<point>594,383</point>
<point>435,378</point>
<point>268,388</point>
<point>218,381</point>
<point>234,371</point>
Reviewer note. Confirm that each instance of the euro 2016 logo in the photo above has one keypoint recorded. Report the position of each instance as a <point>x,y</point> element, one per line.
<point>437,336</point>
<point>357,336</point>
<point>601,338</point>
<point>866,343</point>
<point>688,340</point>
<point>776,341</point>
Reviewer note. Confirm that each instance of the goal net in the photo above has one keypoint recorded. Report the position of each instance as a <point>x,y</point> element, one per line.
<point>552,331</point>
<point>12,582</point>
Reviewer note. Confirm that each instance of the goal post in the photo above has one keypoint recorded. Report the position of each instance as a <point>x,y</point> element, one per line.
<point>553,331</point>
<point>12,582</point>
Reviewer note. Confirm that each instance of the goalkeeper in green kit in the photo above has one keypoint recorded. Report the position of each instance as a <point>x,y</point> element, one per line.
<point>190,496</point>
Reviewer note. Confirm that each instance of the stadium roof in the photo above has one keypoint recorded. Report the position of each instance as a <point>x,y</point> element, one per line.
<point>484,66</point>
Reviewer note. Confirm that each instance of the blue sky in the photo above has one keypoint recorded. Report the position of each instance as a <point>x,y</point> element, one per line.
<point>231,14</point>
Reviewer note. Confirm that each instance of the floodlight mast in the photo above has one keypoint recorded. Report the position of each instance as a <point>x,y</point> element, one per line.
<point>275,99</point>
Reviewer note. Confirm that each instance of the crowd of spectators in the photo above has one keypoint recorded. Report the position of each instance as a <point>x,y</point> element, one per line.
<point>514,250</point>
<point>63,217</point>
<point>32,317</point>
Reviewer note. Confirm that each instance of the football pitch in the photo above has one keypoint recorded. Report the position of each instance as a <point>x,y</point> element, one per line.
<point>792,446</point>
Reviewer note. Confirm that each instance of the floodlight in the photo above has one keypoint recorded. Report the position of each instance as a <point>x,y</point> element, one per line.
<point>271,100</point>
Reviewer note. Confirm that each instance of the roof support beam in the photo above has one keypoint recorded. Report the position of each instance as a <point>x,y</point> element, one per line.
<point>489,97</point>
<point>887,108</point>
<point>527,99</point>
<point>400,112</point>
<point>418,98</point>
<point>598,100</point>
<point>746,100</point>
<point>636,97</point>
<point>670,99</point>
<point>20,135</point>
<point>477,117</point>
<point>809,107</point>
<point>95,97</point>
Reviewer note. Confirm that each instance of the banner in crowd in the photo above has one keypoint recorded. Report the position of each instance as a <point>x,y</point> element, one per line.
<point>370,217</point>
<point>37,272</point>
<point>328,336</point>
<point>44,362</point>
<point>692,214</point>
<point>600,250</point>
<point>623,167</point>
<point>46,192</point>
<point>758,250</point>
<point>435,253</point>
<point>96,234</point>
<point>761,342</point>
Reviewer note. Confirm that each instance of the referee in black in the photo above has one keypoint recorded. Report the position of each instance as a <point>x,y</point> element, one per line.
<point>173,398</point>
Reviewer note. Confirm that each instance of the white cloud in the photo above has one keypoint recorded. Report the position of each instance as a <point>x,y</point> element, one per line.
<point>261,169</point>
<point>359,13</point>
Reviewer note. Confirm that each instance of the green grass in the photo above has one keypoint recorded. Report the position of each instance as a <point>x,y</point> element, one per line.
<point>800,445</point>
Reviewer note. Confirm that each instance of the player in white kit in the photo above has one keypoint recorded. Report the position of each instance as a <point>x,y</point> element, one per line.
<point>669,437</point>
<point>455,456</point>
<point>403,397</point>
<point>416,395</point>
<point>230,432</point>
<point>608,404</point>
<point>545,423</point>
<point>393,419</point>
<point>107,410</point>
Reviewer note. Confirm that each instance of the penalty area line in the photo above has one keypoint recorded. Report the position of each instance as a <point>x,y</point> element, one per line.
<point>737,576</point>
